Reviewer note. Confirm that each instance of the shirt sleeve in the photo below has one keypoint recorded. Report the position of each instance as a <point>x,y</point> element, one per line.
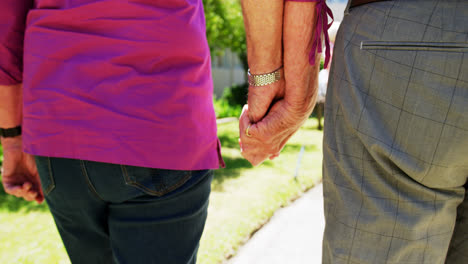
<point>321,29</point>
<point>12,26</point>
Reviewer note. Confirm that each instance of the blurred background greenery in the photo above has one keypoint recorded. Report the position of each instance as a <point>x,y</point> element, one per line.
<point>243,198</point>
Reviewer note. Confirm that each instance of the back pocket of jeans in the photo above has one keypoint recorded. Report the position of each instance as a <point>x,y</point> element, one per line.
<point>45,174</point>
<point>415,46</point>
<point>157,182</point>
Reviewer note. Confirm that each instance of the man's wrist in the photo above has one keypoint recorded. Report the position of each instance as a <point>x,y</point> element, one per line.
<point>299,109</point>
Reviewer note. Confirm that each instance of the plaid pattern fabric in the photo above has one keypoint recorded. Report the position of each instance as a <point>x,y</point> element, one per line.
<point>396,135</point>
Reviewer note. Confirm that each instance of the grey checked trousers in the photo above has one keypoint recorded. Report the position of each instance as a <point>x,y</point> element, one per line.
<point>396,135</point>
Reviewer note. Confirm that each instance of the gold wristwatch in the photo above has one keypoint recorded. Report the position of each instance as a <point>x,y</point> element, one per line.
<point>264,79</point>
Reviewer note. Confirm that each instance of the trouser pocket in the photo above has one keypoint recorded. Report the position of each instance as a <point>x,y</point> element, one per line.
<point>157,182</point>
<point>415,46</point>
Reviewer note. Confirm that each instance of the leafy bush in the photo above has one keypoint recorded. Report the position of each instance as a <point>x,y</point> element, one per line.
<point>232,101</point>
<point>224,109</point>
<point>225,26</point>
<point>236,94</point>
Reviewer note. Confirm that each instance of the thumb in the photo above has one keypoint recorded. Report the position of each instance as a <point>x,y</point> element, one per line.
<point>260,98</point>
<point>12,189</point>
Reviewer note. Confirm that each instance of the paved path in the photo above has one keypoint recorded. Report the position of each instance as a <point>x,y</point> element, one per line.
<point>293,235</point>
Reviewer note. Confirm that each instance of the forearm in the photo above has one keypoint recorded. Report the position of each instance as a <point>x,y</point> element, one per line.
<point>11,102</point>
<point>13,15</point>
<point>263,21</point>
<point>300,20</point>
<point>301,43</point>
<point>11,112</point>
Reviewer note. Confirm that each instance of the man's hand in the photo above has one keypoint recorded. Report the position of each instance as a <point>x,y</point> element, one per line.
<point>268,136</point>
<point>19,173</point>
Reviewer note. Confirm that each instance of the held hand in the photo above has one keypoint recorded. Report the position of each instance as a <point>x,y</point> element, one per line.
<point>19,173</point>
<point>261,98</point>
<point>268,137</point>
<point>268,134</point>
<point>271,123</point>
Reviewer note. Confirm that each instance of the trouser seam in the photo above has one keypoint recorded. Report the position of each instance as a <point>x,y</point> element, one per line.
<point>88,181</point>
<point>51,178</point>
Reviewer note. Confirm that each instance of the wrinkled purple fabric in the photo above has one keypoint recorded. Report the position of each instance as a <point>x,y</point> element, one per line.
<point>126,82</point>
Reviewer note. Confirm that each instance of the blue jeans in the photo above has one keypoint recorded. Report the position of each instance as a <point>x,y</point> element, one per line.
<point>108,213</point>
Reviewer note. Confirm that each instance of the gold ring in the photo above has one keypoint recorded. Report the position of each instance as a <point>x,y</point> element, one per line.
<point>247,131</point>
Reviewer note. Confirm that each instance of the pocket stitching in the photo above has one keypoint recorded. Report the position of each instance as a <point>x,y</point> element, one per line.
<point>88,181</point>
<point>51,178</point>
<point>128,181</point>
<point>414,46</point>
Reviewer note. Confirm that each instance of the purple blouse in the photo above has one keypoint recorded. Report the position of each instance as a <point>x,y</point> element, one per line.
<point>126,82</point>
<point>323,11</point>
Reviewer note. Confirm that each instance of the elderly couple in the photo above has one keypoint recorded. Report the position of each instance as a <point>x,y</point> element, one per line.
<point>110,120</point>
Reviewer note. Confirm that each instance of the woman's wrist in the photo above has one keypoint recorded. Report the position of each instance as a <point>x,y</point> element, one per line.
<point>264,31</point>
<point>264,62</point>
<point>11,105</point>
<point>12,144</point>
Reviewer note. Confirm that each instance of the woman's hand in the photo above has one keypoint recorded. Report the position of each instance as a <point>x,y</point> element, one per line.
<point>19,173</point>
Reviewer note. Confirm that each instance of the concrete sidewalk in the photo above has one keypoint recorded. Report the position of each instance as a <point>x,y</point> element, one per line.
<point>293,235</point>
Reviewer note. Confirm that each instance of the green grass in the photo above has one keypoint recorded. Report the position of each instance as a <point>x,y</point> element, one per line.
<point>30,238</point>
<point>242,200</point>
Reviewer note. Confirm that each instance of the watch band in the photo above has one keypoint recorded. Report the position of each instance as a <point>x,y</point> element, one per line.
<point>264,79</point>
<point>10,132</point>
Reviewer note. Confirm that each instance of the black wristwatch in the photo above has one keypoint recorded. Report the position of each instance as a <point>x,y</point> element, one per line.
<point>10,132</point>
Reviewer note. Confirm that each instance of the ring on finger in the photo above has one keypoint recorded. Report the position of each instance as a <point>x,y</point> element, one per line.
<point>247,131</point>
